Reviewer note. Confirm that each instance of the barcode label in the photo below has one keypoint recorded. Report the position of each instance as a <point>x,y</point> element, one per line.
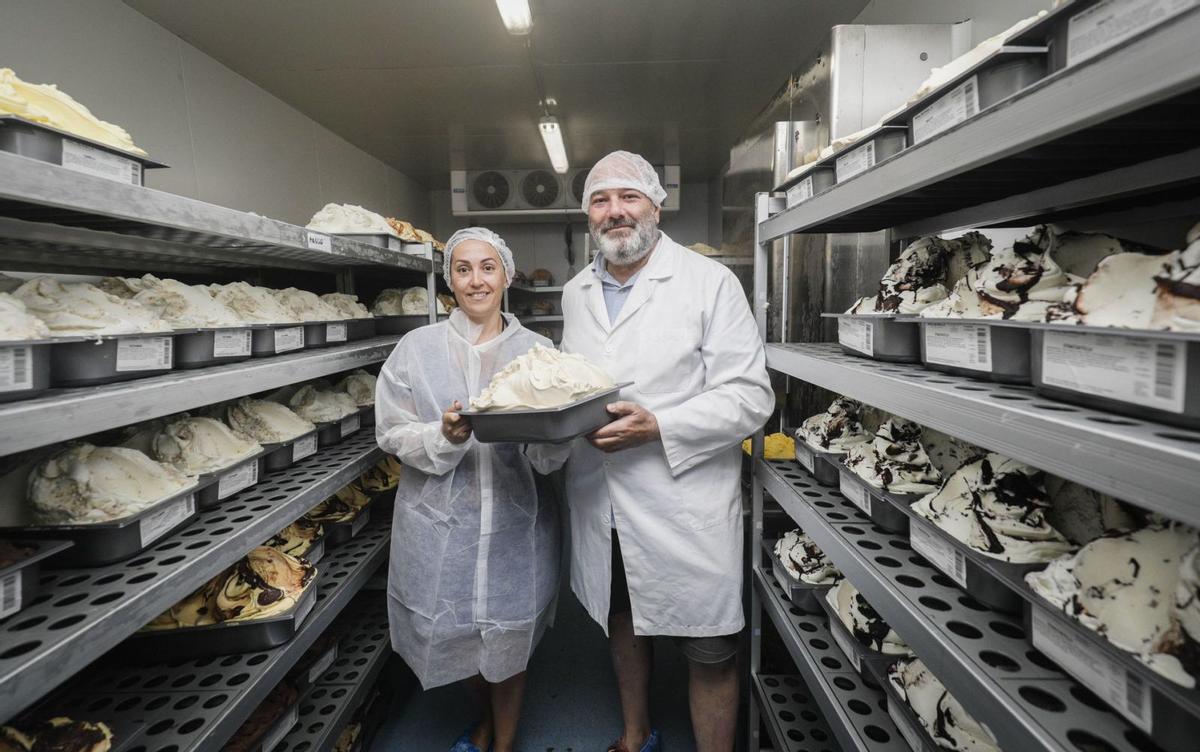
<point>856,335</point>
<point>289,338</point>
<point>941,554</point>
<point>954,107</point>
<point>318,241</point>
<point>914,737</point>
<point>360,522</point>
<point>281,729</point>
<point>843,639</point>
<point>1122,689</point>
<point>231,344</point>
<point>854,491</point>
<point>853,162</point>
<point>350,424</point>
<point>322,665</point>
<point>242,476</point>
<point>1110,22</point>
<point>16,368</point>
<point>10,594</point>
<point>804,456</point>
<point>304,446</point>
<point>155,525</point>
<point>962,345</point>
<point>89,160</point>
<point>1117,367</point>
<point>144,354</point>
<point>335,332</point>
<point>799,192</point>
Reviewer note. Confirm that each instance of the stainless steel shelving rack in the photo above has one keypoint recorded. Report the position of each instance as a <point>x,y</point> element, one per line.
<point>1109,140</point>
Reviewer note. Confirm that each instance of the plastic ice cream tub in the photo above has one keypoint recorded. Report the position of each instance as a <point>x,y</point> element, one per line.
<point>277,339</point>
<point>281,455</point>
<point>77,153</point>
<point>337,533</point>
<point>875,502</point>
<point>400,324</point>
<point>863,658</point>
<point>24,368</point>
<point>357,329</point>
<point>553,425</point>
<point>879,336</point>
<point>816,180</point>
<point>86,361</point>
<point>886,142</point>
<point>209,347</point>
<point>978,348</point>
<point>821,464</point>
<point>1006,75</point>
<point>20,581</point>
<point>805,596</point>
<point>218,485</point>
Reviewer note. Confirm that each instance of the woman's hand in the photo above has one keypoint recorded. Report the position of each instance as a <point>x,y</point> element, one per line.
<point>455,427</point>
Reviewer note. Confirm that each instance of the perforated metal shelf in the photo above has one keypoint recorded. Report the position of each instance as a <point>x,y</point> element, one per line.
<point>791,715</point>
<point>329,706</point>
<point>199,704</point>
<point>984,658</point>
<point>1148,464</point>
<point>63,414</point>
<point>85,612</point>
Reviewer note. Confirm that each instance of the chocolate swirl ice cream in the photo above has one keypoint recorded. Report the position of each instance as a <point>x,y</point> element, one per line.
<point>894,459</point>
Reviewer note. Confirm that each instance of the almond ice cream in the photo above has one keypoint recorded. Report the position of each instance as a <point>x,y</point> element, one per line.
<point>201,445</point>
<point>360,385</point>
<point>255,305</point>
<point>411,301</point>
<point>346,305</point>
<point>16,323</point>
<point>265,422</point>
<point>321,405</point>
<point>182,306</point>
<point>306,306</point>
<point>349,219</point>
<point>542,378</point>
<point>80,309</point>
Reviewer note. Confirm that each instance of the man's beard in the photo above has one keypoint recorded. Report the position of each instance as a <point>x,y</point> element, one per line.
<point>631,248</point>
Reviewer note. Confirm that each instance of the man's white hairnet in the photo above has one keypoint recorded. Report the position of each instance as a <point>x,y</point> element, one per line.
<point>487,236</point>
<point>623,169</point>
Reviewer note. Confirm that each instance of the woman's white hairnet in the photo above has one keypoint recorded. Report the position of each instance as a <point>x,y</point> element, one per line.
<point>487,236</point>
<point>623,169</point>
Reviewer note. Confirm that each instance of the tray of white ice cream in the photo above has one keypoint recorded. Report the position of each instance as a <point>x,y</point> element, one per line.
<point>356,223</point>
<point>24,351</point>
<point>334,413</point>
<point>543,396</point>
<point>285,437</point>
<point>400,310</point>
<point>928,717</point>
<point>20,568</point>
<point>822,440</point>
<point>360,324</point>
<point>859,631</point>
<point>802,569</point>
<point>885,474</point>
<point>276,329</point>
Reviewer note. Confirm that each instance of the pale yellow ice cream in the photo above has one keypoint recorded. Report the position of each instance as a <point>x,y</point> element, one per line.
<point>360,385</point>
<point>306,306</point>
<point>45,104</point>
<point>321,405</point>
<point>542,378</point>
<point>17,323</point>
<point>182,306</point>
<point>346,305</point>
<point>81,309</point>
<point>264,421</point>
<point>201,445</point>
<point>256,305</point>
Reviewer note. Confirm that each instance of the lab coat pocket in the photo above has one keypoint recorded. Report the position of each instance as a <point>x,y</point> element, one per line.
<point>667,357</point>
<point>705,518</point>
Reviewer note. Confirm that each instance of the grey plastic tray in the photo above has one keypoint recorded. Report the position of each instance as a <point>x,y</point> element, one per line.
<point>20,582</point>
<point>878,336</point>
<point>24,369</point>
<point>976,348</point>
<point>865,660</point>
<point>400,324</point>
<point>360,329</point>
<point>108,359</point>
<point>812,182</point>
<point>805,597</point>
<point>823,465</point>
<point>1159,370</point>
<point>551,426</point>
<point>879,505</point>
<point>277,339</point>
<point>337,533</point>
<point>887,142</point>
<point>210,347</point>
<point>281,455</point>
<point>218,485</point>
<point>382,239</point>
<point>997,81</point>
<point>45,144</point>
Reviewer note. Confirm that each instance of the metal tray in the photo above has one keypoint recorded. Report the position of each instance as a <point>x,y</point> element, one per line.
<point>228,638</point>
<point>24,369</point>
<point>875,502</point>
<point>281,455</point>
<point>878,336</point>
<point>804,597</point>
<point>45,144</point>
<point>821,464</point>
<point>310,668</point>
<point>400,324</point>
<point>314,335</point>
<point>553,426</point>
<point>366,415</point>
<point>210,347</point>
<point>332,432</point>
<point>218,485</point>
<point>1156,374</point>
<point>360,329</point>
<point>812,182</point>
<point>861,156</point>
<point>866,661</point>
<point>276,339</point>
<point>273,735</point>
<point>905,718</point>
<point>20,582</point>
<point>337,533</point>
<point>1006,75</point>
<point>976,348</point>
<point>381,239</point>
<point>107,359</point>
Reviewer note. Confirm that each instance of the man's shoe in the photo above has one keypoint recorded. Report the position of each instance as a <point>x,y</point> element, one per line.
<point>653,744</point>
<point>464,743</point>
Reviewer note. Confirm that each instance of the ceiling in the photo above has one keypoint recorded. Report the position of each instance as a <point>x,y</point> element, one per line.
<point>424,85</point>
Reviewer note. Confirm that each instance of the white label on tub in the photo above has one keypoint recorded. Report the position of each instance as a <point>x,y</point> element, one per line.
<point>1119,367</point>
<point>304,447</point>
<point>941,554</point>
<point>89,160</point>
<point>10,594</point>
<point>321,666</point>
<point>804,456</point>
<point>962,345</point>
<point>144,354</point>
<point>360,522</point>
<point>959,104</point>
<point>281,729</point>
<point>231,344</point>
<point>155,525</point>
<point>16,368</point>
<point>913,736</point>
<point>290,338</point>
<point>1110,22</point>
<point>335,332</point>
<point>350,424</point>
<point>242,476</point>
<point>856,335</point>
<point>1120,688</point>
<point>853,162</point>
<point>318,241</point>
<point>801,191</point>
<point>842,637</point>
<point>854,491</point>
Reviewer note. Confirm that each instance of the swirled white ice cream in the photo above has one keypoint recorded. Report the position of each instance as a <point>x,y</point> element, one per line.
<point>256,305</point>
<point>942,717</point>
<point>410,301</point>
<point>347,305</point>
<point>1136,589</point>
<point>182,306</point>
<point>863,622</point>
<point>264,421</point>
<point>360,385</point>
<point>835,430</point>
<point>918,278</point>
<point>542,378</point>
<point>804,560</point>
<point>1084,514</point>
<point>997,506</point>
<point>201,445</point>
<point>948,453</point>
<point>1120,292</point>
<point>86,484</point>
<point>1177,305</point>
<point>45,104</point>
<point>349,219</point>
<point>82,309</point>
<point>321,405</point>
<point>894,459</point>
<point>305,305</point>
<point>16,323</point>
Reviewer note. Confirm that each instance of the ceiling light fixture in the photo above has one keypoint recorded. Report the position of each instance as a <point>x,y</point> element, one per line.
<point>515,14</point>
<point>555,148</point>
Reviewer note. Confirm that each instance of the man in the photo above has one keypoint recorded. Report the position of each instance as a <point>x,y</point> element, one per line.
<point>654,496</point>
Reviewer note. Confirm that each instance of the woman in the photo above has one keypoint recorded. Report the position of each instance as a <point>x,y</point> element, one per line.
<point>474,558</point>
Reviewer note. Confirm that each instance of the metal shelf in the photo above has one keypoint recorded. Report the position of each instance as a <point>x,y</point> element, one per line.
<point>983,657</point>
<point>86,612</point>
<point>198,705</point>
<point>789,712</point>
<point>1148,464</point>
<point>1070,135</point>
<point>536,290</point>
<point>62,414</point>
<point>155,224</point>
<point>540,319</point>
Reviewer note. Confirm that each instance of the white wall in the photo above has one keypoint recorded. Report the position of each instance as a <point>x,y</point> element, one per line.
<point>227,141</point>
<point>988,17</point>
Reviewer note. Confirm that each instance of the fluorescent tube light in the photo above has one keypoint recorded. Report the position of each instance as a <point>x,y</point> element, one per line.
<point>515,14</point>
<point>555,148</point>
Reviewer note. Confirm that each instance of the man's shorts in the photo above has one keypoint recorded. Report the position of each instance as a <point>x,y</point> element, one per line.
<point>707,650</point>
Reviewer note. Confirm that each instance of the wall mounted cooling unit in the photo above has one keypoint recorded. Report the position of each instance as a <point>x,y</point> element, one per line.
<point>533,192</point>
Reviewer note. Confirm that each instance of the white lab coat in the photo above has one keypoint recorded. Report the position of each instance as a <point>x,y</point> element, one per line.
<point>688,341</point>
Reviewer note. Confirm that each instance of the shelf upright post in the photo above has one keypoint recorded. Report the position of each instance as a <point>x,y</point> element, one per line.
<point>431,289</point>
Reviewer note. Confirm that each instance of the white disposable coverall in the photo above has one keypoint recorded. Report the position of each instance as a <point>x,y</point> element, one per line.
<point>473,573</point>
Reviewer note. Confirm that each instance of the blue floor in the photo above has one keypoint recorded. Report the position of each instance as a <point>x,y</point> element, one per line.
<point>571,702</point>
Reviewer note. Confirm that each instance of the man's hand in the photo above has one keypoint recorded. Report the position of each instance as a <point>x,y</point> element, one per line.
<point>455,427</point>
<point>634,426</point>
